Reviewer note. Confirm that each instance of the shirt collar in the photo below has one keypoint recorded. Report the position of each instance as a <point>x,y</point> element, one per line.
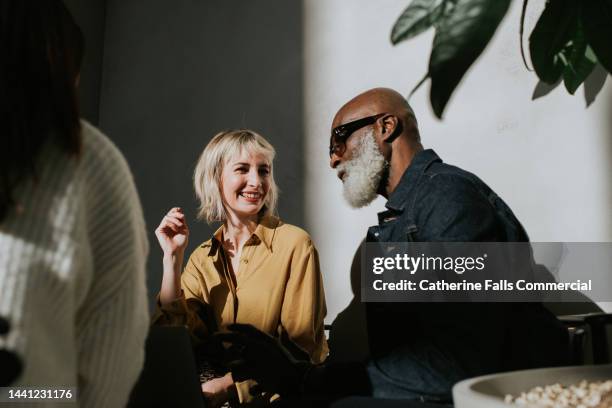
<point>264,233</point>
<point>420,162</point>
<point>266,229</point>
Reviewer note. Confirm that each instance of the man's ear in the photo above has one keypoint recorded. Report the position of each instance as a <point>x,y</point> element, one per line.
<point>390,128</point>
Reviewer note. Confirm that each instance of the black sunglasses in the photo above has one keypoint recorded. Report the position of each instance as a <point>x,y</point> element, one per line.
<point>337,141</point>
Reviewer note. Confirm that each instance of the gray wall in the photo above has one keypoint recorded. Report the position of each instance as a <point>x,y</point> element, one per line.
<point>176,73</point>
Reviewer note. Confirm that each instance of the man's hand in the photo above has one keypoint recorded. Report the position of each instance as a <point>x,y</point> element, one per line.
<point>260,357</point>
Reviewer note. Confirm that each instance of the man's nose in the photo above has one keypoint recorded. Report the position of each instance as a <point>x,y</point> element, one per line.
<point>334,161</point>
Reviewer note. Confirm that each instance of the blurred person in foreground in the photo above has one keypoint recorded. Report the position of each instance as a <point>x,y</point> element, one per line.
<point>418,350</point>
<point>255,269</point>
<point>73,242</point>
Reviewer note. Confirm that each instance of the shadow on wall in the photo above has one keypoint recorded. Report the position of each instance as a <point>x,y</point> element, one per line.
<point>348,338</point>
<point>608,149</point>
<point>177,73</point>
<point>592,86</point>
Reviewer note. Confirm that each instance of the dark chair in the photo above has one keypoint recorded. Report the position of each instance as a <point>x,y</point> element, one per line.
<point>10,363</point>
<point>591,326</point>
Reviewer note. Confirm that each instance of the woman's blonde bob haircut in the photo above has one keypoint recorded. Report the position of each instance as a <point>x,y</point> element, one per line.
<point>207,175</point>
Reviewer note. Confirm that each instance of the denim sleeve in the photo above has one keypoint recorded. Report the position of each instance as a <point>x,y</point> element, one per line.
<point>450,208</point>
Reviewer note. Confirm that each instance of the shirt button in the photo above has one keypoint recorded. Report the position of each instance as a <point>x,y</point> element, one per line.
<point>246,261</point>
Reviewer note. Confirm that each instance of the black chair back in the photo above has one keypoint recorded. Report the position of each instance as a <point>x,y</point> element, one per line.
<point>10,363</point>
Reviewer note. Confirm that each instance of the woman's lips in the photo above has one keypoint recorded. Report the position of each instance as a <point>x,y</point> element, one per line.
<point>251,197</point>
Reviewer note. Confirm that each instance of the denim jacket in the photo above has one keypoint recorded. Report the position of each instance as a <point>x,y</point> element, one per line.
<point>435,201</point>
<point>419,350</point>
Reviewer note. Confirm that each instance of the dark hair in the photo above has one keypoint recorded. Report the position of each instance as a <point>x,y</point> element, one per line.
<point>41,49</point>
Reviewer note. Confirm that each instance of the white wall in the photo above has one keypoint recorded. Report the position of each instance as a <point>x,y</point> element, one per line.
<point>550,159</point>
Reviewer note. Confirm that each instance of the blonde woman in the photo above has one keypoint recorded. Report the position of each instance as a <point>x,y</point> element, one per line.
<point>255,269</point>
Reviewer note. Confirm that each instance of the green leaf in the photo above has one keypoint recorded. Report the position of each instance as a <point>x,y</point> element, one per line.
<point>580,60</point>
<point>418,17</point>
<point>521,29</point>
<point>461,35</point>
<point>597,22</point>
<point>421,82</point>
<point>551,33</point>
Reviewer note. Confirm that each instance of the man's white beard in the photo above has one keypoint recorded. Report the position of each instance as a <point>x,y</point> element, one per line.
<point>364,172</point>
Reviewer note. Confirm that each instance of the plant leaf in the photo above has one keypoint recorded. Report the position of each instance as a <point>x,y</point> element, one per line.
<point>461,35</point>
<point>580,61</point>
<point>521,29</point>
<point>597,22</point>
<point>418,17</point>
<point>551,33</point>
<point>421,82</point>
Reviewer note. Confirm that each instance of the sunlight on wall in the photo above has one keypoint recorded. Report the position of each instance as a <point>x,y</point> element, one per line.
<point>549,158</point>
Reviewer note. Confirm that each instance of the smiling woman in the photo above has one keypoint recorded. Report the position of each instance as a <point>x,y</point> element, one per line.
<point>231,157</point>
<point>254,270</point>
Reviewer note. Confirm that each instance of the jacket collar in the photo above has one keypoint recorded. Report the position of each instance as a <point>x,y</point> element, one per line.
<point>420,162</point>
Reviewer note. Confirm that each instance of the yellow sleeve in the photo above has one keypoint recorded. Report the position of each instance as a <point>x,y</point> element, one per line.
<point>188,309</point>
<point>243,389</point>
<point>304,307</point>
<point>245,395</point>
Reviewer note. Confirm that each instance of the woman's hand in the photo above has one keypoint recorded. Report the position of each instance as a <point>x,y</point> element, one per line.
<point>216,390</point>
<point>258,356</point>
<point>173,233</point>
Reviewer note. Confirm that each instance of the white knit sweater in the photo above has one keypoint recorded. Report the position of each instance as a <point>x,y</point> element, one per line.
<point>72,275</point>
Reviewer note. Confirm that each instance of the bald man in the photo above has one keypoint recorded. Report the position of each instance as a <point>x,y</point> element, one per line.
<point>422,349</point>
<point>418,350</point>
<point>374,139</point>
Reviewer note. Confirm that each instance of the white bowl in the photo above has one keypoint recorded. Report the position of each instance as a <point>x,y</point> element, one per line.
<point>489,391</point>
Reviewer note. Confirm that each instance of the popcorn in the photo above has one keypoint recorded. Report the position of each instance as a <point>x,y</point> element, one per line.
<point>582,395</point>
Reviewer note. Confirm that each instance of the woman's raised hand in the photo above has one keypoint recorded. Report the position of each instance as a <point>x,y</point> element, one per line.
<point>173,233</point>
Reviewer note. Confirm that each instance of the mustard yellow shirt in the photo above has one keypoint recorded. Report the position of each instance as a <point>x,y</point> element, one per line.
<point>278,288</point>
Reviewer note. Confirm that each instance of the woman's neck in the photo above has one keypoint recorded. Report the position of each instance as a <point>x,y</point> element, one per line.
<point>236,230</point>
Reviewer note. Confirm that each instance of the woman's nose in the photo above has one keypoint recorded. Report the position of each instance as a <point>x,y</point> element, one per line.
<point>254,179</point>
